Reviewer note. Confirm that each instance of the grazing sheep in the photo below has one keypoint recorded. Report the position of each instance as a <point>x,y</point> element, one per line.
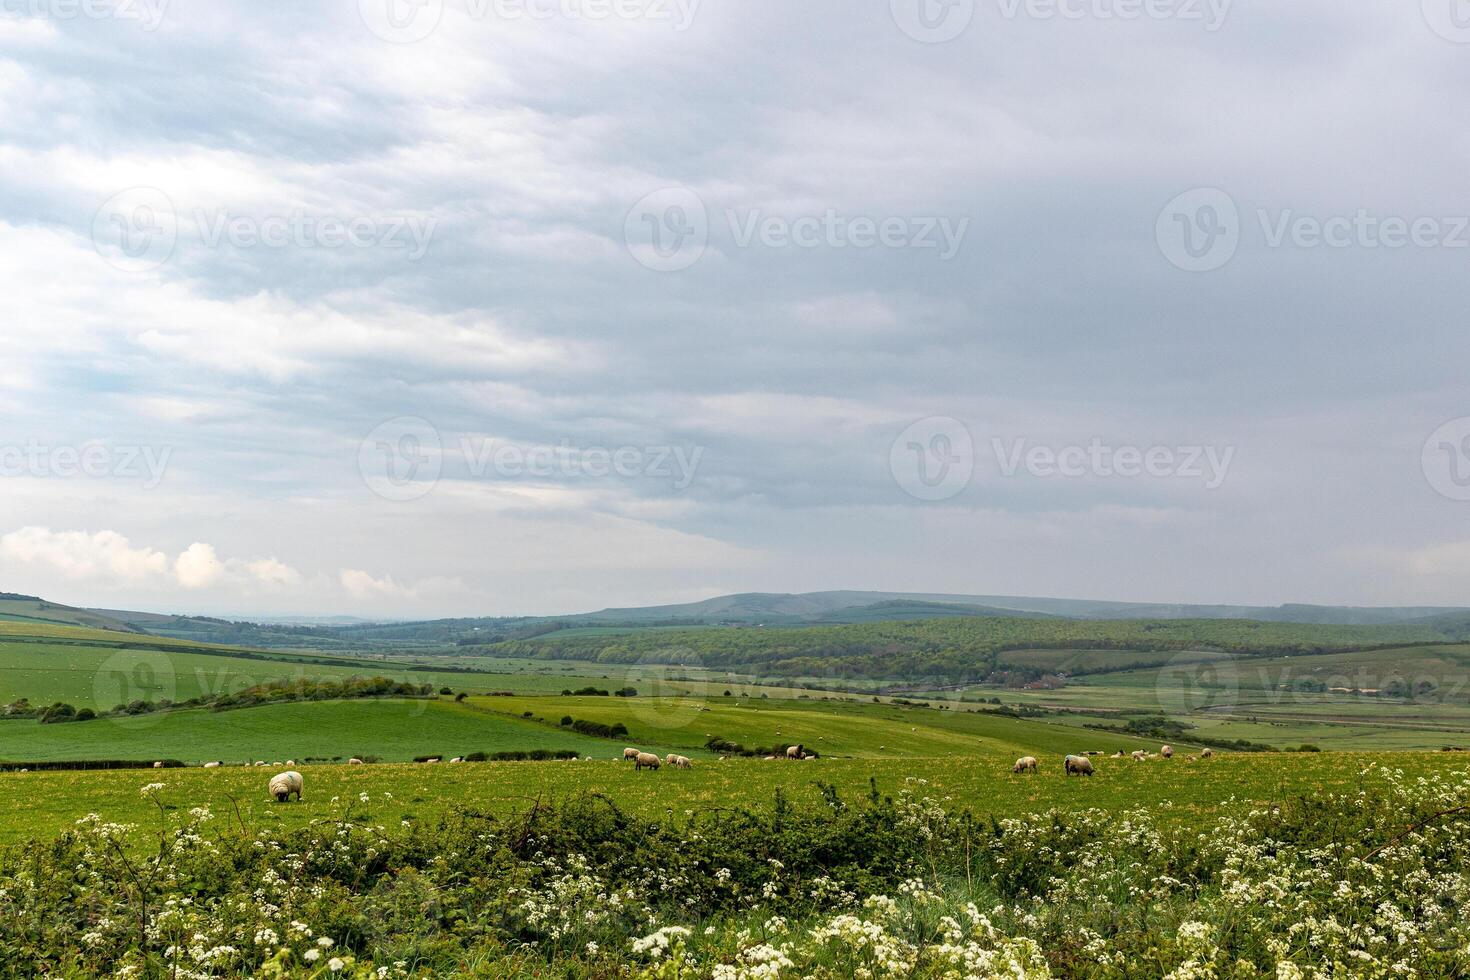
<point>1077,765</point>
<point>355,761</point>
<point>682,762</point>
<point>669,759</point>
<point>283,784</point>
<point>1027,763</point>
<point>458,758</point>
<point>435,759</point>
<point>259,763</point>
<point>1139,755</point>
<point>630,753</point>
<point>1167,752</point>
<point>1206,753</point>
<point>290,762</point>
<point>795,752</point>
<point>158,765</point>
<point>211,765</point>
<point>645,760</point>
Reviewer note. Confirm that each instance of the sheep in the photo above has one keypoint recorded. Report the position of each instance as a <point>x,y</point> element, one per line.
<point>211,765</point>
<point>645,760</point>
<point>1077,765</point>
<point>1206,753</point>
<point>355,761</point>
<point>283,784</point>
<point>795,752</point>
<point>158,765</point>
<point>258,762</point>
<point>1167,752</point>
<point>458,758</point>
<point>670,759</point>
<point>290,762</point>
<point>630,753</point>
<point>682,762</point>
<point>435,759</point>
<point>1139,755</point>
<point>1027,763</point>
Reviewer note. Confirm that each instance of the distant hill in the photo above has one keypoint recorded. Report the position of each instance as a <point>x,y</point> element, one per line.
<point>751,607</point>
<point>33,609</point>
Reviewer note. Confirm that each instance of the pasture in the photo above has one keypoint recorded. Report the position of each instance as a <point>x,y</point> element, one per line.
<point>43,804</point>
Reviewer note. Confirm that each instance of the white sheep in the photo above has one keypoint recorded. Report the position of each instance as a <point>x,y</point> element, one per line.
<point>682,762</point>
<point>795,752</point>
<point>1027,763</point>
<point>435,759</point>
<point>355,761</point>
<point>283,784</point>
<point>1077,765</point>
<point>631,753</point>
<point>458,758</point>
<point>670,759</point>
<point>211,765</point>
<point>1206,753</point>
<point>1167,752</point>
<point>290,762</point>
<point>158,765</point>
<point>645,760</point>
<point>1139,755</point>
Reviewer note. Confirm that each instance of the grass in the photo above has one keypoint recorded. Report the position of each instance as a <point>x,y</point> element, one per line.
<point>42,804</point>
<point>390,729</point>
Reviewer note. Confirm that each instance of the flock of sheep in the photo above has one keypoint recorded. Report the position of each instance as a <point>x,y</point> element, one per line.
<point>1081,765</point>
<point>647,760</point>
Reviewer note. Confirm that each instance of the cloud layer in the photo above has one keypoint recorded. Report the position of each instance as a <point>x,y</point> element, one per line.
<point>552,308</point>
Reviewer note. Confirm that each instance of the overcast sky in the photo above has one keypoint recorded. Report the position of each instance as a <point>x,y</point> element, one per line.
<point>533,306</point>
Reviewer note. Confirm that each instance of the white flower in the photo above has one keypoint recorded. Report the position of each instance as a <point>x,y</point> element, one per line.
<point>334,964</point>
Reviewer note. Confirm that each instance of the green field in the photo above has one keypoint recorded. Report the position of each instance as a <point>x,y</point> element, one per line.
<point>44,803</point>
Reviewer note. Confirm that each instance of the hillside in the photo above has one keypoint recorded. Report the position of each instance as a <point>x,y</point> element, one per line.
<point>961,649</point>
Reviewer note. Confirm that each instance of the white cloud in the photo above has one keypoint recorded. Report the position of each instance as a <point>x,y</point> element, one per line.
<point>79,554</point>
<point>198,567</point>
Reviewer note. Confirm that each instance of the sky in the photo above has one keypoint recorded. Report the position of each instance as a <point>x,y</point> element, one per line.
<point>420,308</point>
